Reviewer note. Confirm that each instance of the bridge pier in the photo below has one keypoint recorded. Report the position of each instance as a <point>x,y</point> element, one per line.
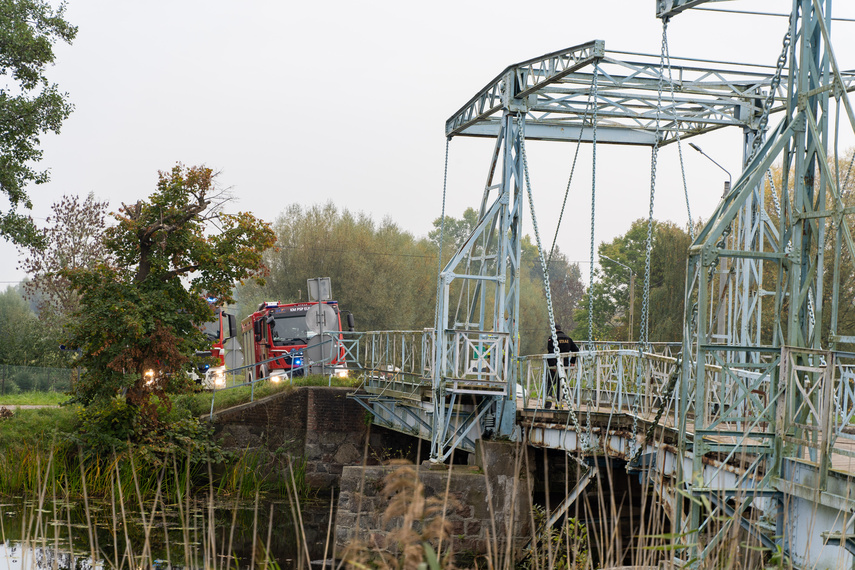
<point>487,505</point>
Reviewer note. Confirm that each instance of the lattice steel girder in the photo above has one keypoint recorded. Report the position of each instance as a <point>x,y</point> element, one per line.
<point>809,194</point>
<point>556,99</point>
<point>524,78</point>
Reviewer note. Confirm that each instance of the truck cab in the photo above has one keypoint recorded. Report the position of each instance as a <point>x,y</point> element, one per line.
<point>295,335</point>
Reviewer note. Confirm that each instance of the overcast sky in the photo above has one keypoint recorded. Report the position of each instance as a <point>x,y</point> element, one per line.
<point>341,101</point>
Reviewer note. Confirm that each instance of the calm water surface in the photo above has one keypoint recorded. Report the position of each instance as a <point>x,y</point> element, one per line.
<point>63,535</point>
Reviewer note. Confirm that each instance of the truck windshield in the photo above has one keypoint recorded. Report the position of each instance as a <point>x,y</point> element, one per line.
<point>290,329</point>
<point>212,330</point>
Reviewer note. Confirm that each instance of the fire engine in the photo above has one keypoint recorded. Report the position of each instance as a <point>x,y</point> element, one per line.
<point>222,332</point>
<point>296,335</point>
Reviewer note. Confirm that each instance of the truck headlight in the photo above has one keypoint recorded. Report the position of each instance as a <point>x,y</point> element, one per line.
<point>216,377</point>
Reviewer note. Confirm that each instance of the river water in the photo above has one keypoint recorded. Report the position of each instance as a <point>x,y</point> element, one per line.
<point>195,534</point>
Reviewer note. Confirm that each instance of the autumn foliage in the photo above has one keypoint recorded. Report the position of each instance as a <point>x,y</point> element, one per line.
<point>141,307</point>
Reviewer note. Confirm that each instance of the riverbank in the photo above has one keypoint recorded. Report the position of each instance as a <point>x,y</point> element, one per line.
<point>39,443</point>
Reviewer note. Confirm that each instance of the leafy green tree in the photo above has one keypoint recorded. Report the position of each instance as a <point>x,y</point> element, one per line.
<point>565,283</point>
<point>140,309</point>
<point>455,231</point>
<point>381,273</point>
<point>26,342</point>
<point>611,289</point>
<point>29,105</point>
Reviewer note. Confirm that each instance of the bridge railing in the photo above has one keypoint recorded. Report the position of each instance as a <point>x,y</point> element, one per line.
<point>612,378</point>
<point>817,407</point>
<point>738,394</point>
<point>390,353</point>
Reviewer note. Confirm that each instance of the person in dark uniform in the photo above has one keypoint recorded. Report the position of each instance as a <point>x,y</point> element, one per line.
<point>565,346</point>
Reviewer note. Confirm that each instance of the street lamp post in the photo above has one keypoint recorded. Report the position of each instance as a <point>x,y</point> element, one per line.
<point>631,294</point>
<point>726,171</point>
<point>723,268</point>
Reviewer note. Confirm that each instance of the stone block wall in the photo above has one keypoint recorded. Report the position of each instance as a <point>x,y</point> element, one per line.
<point>316,423</point>
<point>486,509</point>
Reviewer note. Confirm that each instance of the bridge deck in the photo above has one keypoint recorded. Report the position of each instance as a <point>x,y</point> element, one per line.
<point>532,413</point>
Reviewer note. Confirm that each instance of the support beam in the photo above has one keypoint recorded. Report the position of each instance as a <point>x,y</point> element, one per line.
<point>668,8</point>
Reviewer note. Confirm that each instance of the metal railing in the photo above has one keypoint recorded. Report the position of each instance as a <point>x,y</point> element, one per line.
<point>403,353</point>
<point>818,401</point>
<point>244,376</point>
<point>617,379</point>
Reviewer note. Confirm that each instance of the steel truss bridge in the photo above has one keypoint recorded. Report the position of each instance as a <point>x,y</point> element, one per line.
<point>748,422</point>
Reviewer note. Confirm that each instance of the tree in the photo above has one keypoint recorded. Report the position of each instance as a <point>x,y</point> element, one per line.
<point>141,308</point>
<point>455,231</point>
<point>72,240</point>
<point>25,340</point>
<point>381,273</point>
<point>565,283</point>
<point>29,105</point>
<point>611,289</point>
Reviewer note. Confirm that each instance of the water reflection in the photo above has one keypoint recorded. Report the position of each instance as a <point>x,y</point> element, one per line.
<point>195,534</point>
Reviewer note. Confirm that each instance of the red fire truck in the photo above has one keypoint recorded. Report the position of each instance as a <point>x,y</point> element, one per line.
<point>222,332</point>
<point>296,335</point>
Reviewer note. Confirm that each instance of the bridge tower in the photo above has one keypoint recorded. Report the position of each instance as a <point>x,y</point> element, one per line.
<point>736,396</point>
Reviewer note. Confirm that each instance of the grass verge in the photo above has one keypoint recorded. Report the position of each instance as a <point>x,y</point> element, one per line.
<point>34,399</point>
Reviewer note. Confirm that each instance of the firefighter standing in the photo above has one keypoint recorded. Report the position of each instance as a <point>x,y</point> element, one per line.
<point>565,346</point>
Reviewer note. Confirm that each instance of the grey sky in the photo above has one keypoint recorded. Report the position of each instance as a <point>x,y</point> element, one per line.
<point>342,101</point>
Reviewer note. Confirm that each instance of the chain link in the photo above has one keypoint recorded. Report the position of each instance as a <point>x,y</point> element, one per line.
<point>441,235</point>
<point>595,92</point>
<point>663,404</point>
<point>562,374</point>
<point>775,199</point>
<point>677,127</point>
<point>770,97</point>
<point>645,300</point>
<point>593,211</point>
<point>845,187</point>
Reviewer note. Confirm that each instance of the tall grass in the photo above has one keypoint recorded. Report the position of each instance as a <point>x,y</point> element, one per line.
<point>33,399</point>
<point>137,531</point>
<point>149,522</point>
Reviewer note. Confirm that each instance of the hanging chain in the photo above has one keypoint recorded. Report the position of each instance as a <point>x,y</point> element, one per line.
<point>664,398</point>
<point>441,234</point>
<point>562,374</point>
<point>654,155</point>
<point>645,301</point>
<point>595,93</point>
<point>775,199</point>
<point>593,214</point>
<point>569,180</point>
<point>773,86</point>
<point>677,127</point>
<point>845,188</point>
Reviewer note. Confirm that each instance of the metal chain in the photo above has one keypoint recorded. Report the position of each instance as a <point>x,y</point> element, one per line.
<point>589,404</point>
<point>846,180</point>
<point>770,98</point>
<point>677,128</point>
<point>669,389</point>
<point>593,213</point>
<point>441,234</point>
<point>562,374</point>
<point>569,180</point>
<point>645,301</point>
<point>774,193</point>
